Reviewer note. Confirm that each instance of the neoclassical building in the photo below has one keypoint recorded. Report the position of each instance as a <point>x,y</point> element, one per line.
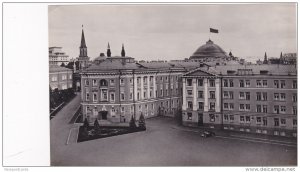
<point>118,88</point>
<point>211,90</point>
<point>253,98</point>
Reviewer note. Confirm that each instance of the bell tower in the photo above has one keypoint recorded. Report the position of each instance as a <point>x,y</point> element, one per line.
<point>83,57</point>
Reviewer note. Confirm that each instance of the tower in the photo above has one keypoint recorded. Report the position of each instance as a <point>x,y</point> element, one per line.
<point>83,48</point>
<point>83,58</point>
<point>123,51</point>
<point>108,53</point>
<point>281,59</point>
<point>265,59</point>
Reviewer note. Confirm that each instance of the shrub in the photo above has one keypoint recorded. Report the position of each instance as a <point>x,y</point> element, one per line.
<point>142,124</point>
<point>97,127</point>
<point>132,123</point>
<point>86,123</point>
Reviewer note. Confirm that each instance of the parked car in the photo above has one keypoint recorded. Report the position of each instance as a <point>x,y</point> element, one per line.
<point>207,134</point>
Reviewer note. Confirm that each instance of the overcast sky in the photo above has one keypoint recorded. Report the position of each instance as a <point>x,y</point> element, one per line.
<point>152,32</point>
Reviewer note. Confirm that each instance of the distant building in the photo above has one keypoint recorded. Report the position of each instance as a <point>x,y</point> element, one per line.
<point>60,78</point>
<point>286,59</point>
<point>265,59</point>
<point>289,58</point>
<point>57,56</point>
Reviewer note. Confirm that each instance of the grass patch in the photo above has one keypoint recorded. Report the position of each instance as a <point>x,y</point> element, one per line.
<point>88,133</point>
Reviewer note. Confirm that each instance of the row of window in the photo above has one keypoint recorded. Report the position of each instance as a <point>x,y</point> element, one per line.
<point>167,78</point>
<point>104,95</point>
<point>259,108</point>
<point>104,82</point>
<point>212,105</point>
<point>212,94</point>
<point>122,109</point>
<point>63,77</point>
<point>260,96</point>
<point>200,82</point>
<point>63,86</point>
<point>259,83</point>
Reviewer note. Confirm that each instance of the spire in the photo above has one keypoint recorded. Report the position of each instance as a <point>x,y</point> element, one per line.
<point>82,48</point>
<point>265,59</point>
<point>82,45</point>
<point>281,55</point>
<point>123,51</point>
<point>265,55</point>
<point>108,53</point>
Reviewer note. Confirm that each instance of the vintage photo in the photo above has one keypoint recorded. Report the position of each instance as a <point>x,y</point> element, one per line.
<point>173,84</point>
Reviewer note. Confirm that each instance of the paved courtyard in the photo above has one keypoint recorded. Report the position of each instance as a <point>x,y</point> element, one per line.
<point>163,144</point>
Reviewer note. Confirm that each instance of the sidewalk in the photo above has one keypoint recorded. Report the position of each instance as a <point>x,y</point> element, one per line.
<point>237,134</point>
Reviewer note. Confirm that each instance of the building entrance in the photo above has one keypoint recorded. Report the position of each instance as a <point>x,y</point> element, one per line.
<point>200,119</point>
<point>102,115</point>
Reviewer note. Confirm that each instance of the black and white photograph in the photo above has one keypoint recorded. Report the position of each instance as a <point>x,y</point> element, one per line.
<point>171,85</point>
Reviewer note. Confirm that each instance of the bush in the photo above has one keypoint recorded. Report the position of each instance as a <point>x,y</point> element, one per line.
<point>97,127</point>
<point>86,123</point>
<point>142,124</point>
<point>132,123</point>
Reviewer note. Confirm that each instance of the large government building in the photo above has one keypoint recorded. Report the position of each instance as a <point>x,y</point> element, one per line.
<point>209,90</point>
<point>252,98</point>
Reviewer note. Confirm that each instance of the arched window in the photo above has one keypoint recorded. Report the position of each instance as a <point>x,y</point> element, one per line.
<point>103,82</point>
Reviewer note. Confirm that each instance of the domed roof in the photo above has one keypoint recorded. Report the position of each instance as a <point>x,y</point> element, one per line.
<point>209,50</point>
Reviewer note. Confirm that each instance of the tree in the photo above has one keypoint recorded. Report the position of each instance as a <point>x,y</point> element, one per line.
<point>97,128</point>
<point>179,116</point>
<point>86,123</point>
<point>85,132</point>
<point>142,124</point>
<point>63,65</point>
<point>132,123</point>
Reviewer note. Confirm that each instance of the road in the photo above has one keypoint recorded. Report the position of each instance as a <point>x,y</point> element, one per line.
<point>165,145</point>
<point>60,127</point>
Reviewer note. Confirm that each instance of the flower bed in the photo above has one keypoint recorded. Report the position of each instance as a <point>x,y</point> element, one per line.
<point>89,133</point>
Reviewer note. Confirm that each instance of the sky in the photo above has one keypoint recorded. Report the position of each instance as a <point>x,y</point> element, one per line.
<point>174,32</point>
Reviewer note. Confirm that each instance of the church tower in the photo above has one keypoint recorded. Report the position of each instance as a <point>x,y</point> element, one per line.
<point>108,53</point>
<point>265,59</point>
<point>123,51</point>
<point>83,57</point>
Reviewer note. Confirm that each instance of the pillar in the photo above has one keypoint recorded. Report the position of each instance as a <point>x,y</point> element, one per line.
<point>194,94</point>
<point>148,87</point>
<point>205,95</point>
<point>218,109</point>
<point>183,94</point>
<point>135,87</point>
<point>154,86</point>
<point>142,88</point>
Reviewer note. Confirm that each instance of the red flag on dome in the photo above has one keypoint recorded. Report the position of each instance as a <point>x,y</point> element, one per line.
<point>213,30</point>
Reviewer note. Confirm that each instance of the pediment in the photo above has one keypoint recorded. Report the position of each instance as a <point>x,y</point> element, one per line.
<point>199,72</point>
